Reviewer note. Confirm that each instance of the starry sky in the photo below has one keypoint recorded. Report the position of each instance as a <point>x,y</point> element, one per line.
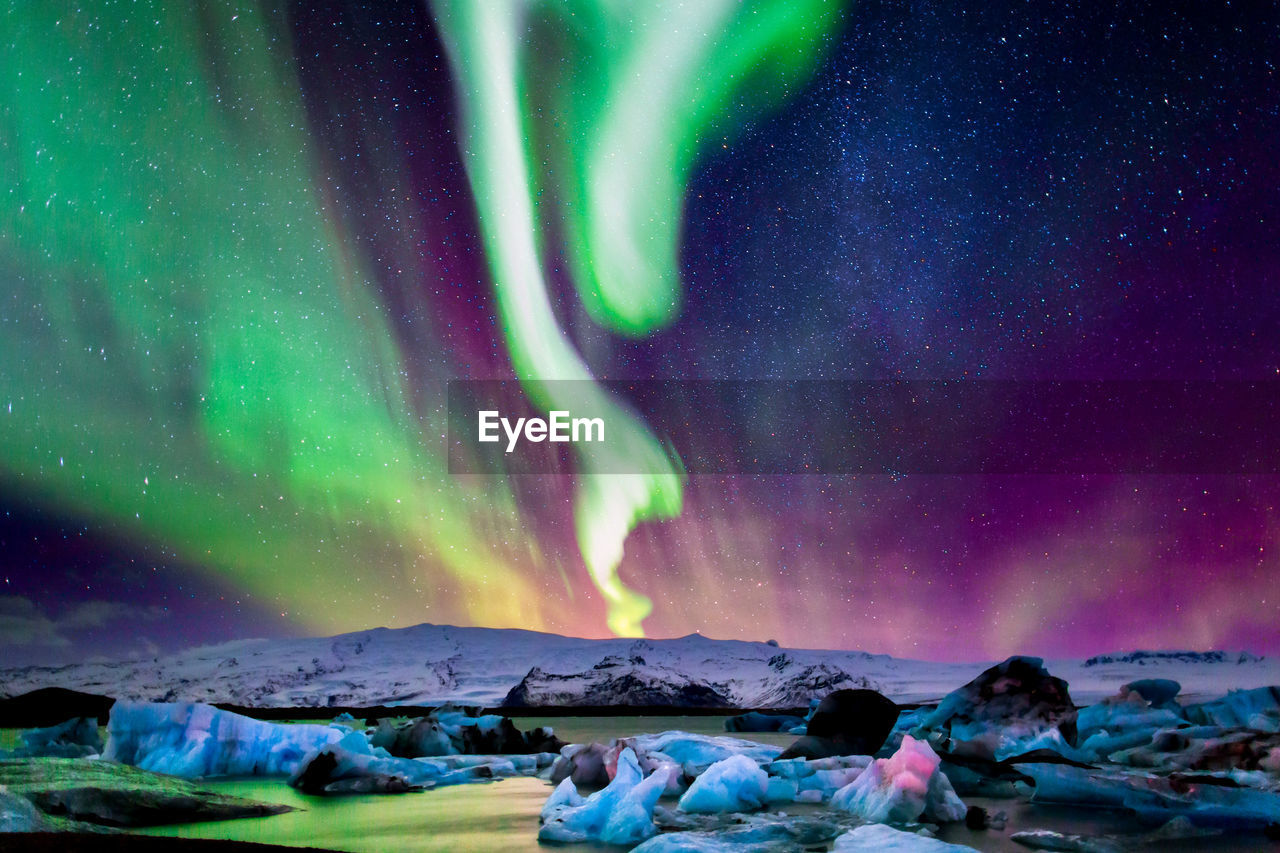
<point>245,250</point>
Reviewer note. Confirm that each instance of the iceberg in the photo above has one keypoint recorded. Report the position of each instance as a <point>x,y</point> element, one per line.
<point>620,813</point>
<point>695,753</point>
<point>1013,707</point>
<point>733,784</point>
<point>902,788</point>
<point>191,740</point>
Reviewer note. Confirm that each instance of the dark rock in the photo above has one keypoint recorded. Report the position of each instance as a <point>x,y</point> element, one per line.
<point>317,774</point>
<point>50,706</point>
<point>1170,740</point>
<point>1019,690</point>
<point>1045,756</point>
<point>614,681</point>
<point>847,722</point>
<point>1156,691</point>
<point>976,818</point>
<point>443,732</point>
<point>1142,658</point>
<point>110,794</point>
<point>543,739</point>
<point>754,721</point>
<point>585,765</point>
<point>505,739</point>
<point>813,748</point>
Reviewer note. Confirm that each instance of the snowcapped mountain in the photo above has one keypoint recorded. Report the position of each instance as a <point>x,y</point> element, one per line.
<point>429,664</point>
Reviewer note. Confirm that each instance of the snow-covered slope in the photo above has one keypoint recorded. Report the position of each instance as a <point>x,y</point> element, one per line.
<point>430,664</point>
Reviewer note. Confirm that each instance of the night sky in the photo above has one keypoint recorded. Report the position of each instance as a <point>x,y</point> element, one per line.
<point>244,250</point>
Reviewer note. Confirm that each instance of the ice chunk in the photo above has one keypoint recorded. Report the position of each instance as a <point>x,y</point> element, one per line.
<point>733,784</point>
<point>17,814</point>
<point>746,833</point>
<point>742,839</point>
<point>564,796</point>
<point>1128,719</point>
<point>75,738</point>
<point>353,765</point>
<point>878,838</point>
<point>902,788</point>
<point>1255,709</point>
<point>695,753</point>
<point>619,813</point>
<point>1155,799</point>
<point>191,740</point>
<point>1046,839</point>
<point>782,790</point>
<point>821,776</point>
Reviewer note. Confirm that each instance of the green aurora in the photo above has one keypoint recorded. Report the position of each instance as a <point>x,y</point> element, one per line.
<point>194,355</point>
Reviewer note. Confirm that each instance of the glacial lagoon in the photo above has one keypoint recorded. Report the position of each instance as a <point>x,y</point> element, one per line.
<point>502,816</point>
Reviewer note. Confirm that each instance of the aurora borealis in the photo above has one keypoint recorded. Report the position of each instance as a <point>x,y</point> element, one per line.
<point>244,249</point>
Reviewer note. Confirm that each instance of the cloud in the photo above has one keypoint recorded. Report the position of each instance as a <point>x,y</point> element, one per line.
<point>22,623</point>
<point>98,614</point>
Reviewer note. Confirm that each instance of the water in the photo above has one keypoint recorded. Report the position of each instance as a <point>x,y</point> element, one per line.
<point>489,818</point>
<point>494,817</point>
<point>503,816</point>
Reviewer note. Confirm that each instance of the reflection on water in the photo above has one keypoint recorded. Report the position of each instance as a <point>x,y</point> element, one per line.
<point>487,818</point>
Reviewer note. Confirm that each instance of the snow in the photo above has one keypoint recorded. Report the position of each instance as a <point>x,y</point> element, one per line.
<point>433,664</point>
<point>733,784</point>
<point>192,740</point>
<point>878,838</point>
<point>901,788</point>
